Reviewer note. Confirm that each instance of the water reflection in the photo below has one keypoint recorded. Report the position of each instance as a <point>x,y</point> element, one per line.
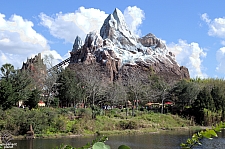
<point>50,143</point>
<point>150,141</point>
<point>166,140</point>
<point>215,143</point>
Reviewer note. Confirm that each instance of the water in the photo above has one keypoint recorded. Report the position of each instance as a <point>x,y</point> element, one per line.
<point>215,143</point>
<point>149,141</point>
<point>165,140</point>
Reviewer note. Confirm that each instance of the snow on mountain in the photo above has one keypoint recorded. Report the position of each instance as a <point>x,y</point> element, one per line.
<point>117,43</point>
<point>126,46</point>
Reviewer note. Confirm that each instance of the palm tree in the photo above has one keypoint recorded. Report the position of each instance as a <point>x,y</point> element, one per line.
<point>6,70</point>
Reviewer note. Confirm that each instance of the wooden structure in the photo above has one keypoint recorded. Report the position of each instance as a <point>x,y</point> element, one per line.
<point>30,134</point>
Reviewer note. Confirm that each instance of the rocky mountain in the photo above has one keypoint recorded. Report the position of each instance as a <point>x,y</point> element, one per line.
<point>36,67</point>
<point>118,53</point>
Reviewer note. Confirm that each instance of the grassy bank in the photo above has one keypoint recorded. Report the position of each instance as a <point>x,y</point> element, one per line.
<point>53,123</point>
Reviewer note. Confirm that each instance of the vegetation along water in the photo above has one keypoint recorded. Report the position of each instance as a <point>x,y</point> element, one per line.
<point>77,107</point>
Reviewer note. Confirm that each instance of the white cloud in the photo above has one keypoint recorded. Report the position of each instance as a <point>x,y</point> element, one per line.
<point>52,62</point>
<point>18,40</point>
<point>205,18</point>
<point>217,29</point>
<point>189,55</point>
<point>216,26</point>
<point>67,26</point>
<point>134,17</point>
<point>220,57</point>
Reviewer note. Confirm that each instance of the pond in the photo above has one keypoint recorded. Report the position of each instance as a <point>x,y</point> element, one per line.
<point>162,140</point>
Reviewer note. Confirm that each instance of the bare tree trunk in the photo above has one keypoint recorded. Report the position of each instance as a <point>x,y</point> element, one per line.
<point>133,109</point>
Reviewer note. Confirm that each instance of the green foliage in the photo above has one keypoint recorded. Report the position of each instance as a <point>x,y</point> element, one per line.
<point>200,99</point>
<point>6,90</point>
<point>97,143</point>
<point>124,147</point>
<point>157,83</point>
<point>16,85</point>
<point>210,99</point>
<point>128,124</point>
<point>7,69</point>
<point>197,137</point>
<point>76,128</point>
<point>217,94</point>
<point>84,112</point>
<point>18,120</point>
<point>70,90</point>
<point>100,145</point>
<point>33,99</point>
<point>22,85</point>
<point>96,111</point>
<point>184,93</point>
<point>204,100</point>
<point>60,124</point>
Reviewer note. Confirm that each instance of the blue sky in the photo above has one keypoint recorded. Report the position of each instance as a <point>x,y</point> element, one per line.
<point>193,30</point>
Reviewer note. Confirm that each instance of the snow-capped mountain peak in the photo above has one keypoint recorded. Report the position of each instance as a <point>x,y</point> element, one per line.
<point>117,43</point>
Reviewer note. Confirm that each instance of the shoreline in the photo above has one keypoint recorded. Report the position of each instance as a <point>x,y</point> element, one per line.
<point>116,132</point>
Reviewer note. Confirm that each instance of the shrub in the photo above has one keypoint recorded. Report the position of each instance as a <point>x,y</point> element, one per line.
<point>128,124</point>
<point>76,129</point>
<point>84,112</point>
<point>61,123</point>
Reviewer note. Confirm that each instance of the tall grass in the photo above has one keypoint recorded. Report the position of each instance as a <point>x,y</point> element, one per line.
<point>52,121</point>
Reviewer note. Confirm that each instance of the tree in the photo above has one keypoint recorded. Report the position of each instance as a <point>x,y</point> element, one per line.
<point>48,60</point>
<point>135,89</point>
<point>7,69</point>
<point>218,98</point>
<point>94,84</point>
<point>6,98</point>
<point>117,92</point>
<point>204,100</point>
<point>160,88</point>
<point>33,99</point>
<point>184,93</point>
<point>70,90</point>
<point>50,79</point>
<point>95,87</point>
<point>22,84</point>
<point>217,94</point>
<point>137,86</point>
<point>15,85</point>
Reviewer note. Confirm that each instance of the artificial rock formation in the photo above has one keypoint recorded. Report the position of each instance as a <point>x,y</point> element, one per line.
<point>120,52</point>
<point>36,67</point>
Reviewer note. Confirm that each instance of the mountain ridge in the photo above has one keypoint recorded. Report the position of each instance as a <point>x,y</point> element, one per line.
<point>116,48</point>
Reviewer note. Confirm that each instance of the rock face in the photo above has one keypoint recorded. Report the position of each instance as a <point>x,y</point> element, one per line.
<point>77,44</point>
<point>35,65</point>
<point>118,50</point>
<point>37,68</point>
<point>116,30</point>
<point>151,41</point>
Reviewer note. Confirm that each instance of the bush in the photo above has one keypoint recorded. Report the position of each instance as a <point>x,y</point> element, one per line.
<point>128,124</point>
<point>76,129</point>
<point>61,124</point>
<point>18,120</point>
<point>84,112</point>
